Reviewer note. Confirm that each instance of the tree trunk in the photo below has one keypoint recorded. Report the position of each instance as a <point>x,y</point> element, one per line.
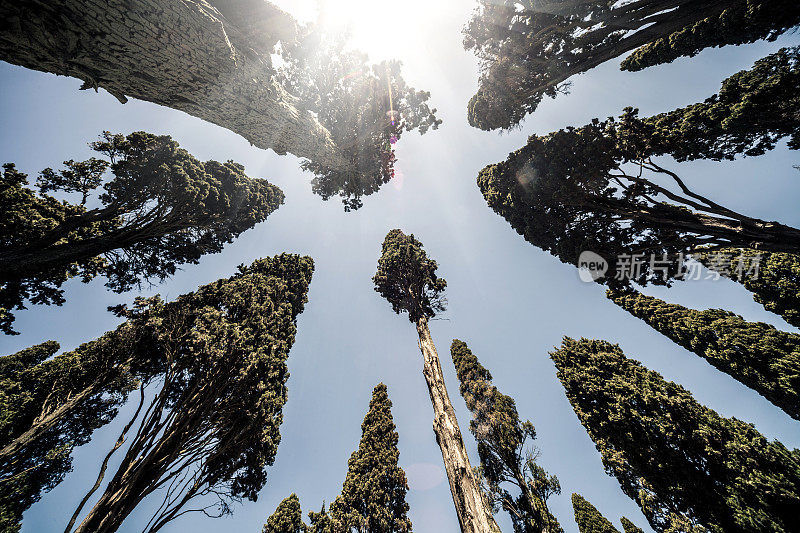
<point>208,58</point>
<point>125,491</point>
<point>745,232</point>
<point>25,262</point>
<point>474,514</point>
<point>44,422</point>
<point>138,476</point>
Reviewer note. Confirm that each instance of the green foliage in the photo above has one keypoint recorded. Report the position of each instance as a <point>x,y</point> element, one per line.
<point>588,518</point>
<point>754,353</point>
<point>630,527</point>
<point>740,22</point>
<point>775,283</point>
<point>753,110</point>
<point>407,278</point>
<point>320,522</point>
<point>213,427</point>
<point>373,498</point>
<point>502,438</point>
<point>365,108</point>
<point>529,49</point>
<point>162,208</point>
<point>686,466</point>
<point>597,188</point>
<point>93,378</point>
<point>287,518</point>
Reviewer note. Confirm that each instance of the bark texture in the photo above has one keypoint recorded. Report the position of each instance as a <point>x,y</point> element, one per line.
<point>210,59</point>
<point>474,514</point>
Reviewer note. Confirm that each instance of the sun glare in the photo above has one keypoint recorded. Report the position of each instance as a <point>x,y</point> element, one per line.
<point>382,29</point>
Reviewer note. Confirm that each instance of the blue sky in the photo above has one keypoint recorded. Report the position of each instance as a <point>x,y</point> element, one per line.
<point>509,301</point>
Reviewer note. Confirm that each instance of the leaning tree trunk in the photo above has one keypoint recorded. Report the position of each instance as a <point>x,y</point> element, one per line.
<point>208,58</point>
<point>46,420</point>
<point>474,514</point>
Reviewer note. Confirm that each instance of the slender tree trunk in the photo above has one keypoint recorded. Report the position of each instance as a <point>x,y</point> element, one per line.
<point>474,514</point>
<point>536,506</point>
<point>44,422</point>
<point>160,445</point>
<point>745,232</point>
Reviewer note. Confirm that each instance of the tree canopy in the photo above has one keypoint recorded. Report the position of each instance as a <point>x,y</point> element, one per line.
<point>212,426</point>
<point>287,518</point>
<point>529,49</point>
<point>373,497</point>
<point>754,353</point>
<point>29,384</point>
<point>366,108</point>
<point>505,448</point>
<point>598,188</point>
<point>686,466</point>
<point>407,278</point>
<point>588,518</point>
<point>160,209</point>
<point>630,527</point>
<point>50,405</point>
<point>773,278</point>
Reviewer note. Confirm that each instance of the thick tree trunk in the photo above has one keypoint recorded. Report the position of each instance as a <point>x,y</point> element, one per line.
<point>210,59</point>
<point>474,515</point>
<point>28,262</point>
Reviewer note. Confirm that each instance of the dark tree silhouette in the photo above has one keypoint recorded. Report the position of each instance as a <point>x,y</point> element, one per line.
<point>49,407</point>
<point>211,427</point>
<point>599,188</point>
<point>162,208</point>
<point>529,49</point>
<point>773,278</point>
<point>754,353</point>
<point>687,467</point>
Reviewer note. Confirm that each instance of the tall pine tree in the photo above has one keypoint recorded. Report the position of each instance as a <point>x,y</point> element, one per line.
<point>287,518</point>
<point>684,465</point>
<point>772,277</point>
<point>51,405</point>
<point>211,426</point>
<point>588,518</point>
<point>504,448</point>
<point>161,209</point>
<point>373,497</point>
<point>406,277</point>
<point>598,188</point>
<point>754,353</point>
<point>529,49</point>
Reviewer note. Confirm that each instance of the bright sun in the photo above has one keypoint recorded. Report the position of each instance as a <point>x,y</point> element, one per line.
<point>376,27</point>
